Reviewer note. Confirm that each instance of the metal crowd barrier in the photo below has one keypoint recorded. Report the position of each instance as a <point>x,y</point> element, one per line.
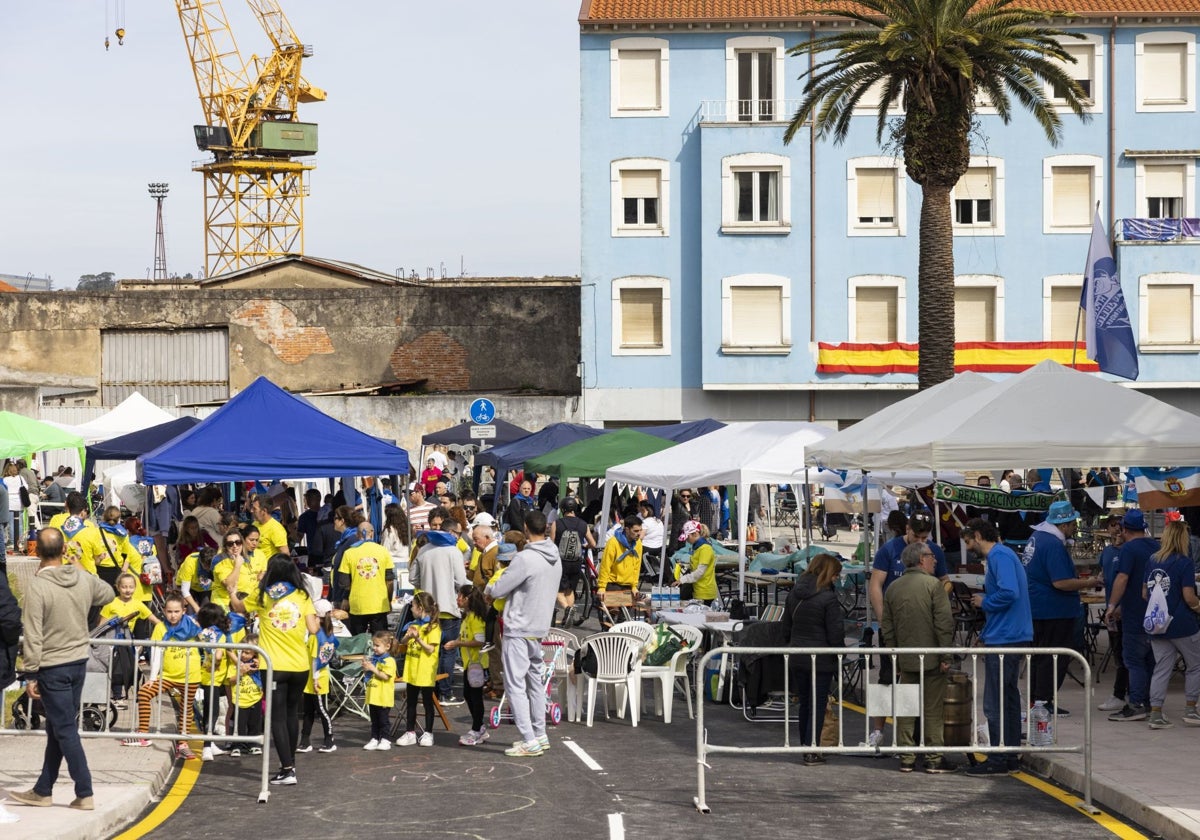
<point>96,712</point>
<point>972,654</point>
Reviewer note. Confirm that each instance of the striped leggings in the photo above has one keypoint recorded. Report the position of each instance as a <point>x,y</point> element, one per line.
<point>182,695</point>
<point>315,706</point>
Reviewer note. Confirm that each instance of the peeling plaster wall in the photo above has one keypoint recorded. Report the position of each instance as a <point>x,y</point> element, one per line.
<point>482,339</point>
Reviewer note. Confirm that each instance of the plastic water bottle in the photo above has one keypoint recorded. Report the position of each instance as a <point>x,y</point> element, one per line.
<point>1041,730</point>
<point>656,597</point>
<point>674,596</point>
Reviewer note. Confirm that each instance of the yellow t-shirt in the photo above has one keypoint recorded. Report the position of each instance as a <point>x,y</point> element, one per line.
<point>116,608</point>
<point>83,544</point>
<point>179,664</point>
<point>381,690</point>
<point>247,693</point>
<point>367,564</point>
<point>472,630</point>
<point>226,669</point>
<point>282,629</point>
<point>113,549</point>
<point>252,569</point>
<point>626,571</point>
<point>322,684</point>
<point>420,668</point>
<point>190,572</point>
<point>272,538</point>
<point>498,603</point>
<point>137,562</point>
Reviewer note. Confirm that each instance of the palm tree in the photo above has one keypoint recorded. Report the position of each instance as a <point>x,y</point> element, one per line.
<point>939,59</point>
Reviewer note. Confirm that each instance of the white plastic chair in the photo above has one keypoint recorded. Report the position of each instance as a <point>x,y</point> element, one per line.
<point>616,659</point>
<point>564,669</point>
<point>664,676</point>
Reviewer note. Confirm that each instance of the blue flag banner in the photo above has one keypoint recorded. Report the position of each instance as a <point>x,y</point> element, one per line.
<point>1109,334</point>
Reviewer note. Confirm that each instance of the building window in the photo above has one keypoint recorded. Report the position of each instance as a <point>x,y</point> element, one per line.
<point>978,199</point>
<point>978,308</point>
<point>1063,317</point>
<point>639,77</point>
<point>640,196</point>
<point>1165,189</point>
<point>877,308</point>
<point>756,193</point>
<point>1070,185</point>
<point>1166,71</point>
<point>754,78</point>
<point>876,197</point>
<point>1087,69</point>
<point>756,315</point>
<point>1168,315</point>
<point>641,309</point>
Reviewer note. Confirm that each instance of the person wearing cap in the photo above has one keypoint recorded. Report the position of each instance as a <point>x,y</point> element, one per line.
<point>1053,599</point>
<point>701,582</point>
<point>1127,604</point>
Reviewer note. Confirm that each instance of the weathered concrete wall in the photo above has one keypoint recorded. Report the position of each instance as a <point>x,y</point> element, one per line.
<point>485,339</point>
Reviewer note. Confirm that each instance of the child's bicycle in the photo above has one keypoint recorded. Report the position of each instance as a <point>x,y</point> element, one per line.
<point>554,655</point>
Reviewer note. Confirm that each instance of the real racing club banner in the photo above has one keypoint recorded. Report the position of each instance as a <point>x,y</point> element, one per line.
<point>980,356</point>
<point>1158,489</point>
<point>993,498</point>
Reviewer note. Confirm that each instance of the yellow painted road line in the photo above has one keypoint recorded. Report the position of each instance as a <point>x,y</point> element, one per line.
<point>185,780</point>
<point>1106,821</point>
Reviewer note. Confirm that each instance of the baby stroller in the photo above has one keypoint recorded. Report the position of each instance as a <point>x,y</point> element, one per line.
<point>554,656</point>
<point>97,712</point>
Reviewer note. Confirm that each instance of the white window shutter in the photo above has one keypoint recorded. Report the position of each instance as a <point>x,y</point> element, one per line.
<point>1163,68</point>
<point>876,193</point>
<point>1163,181</point>
<point>1170,314</point>
<point>756,316</point>
<point>976,183</point>
<point>641,318</point>
<point>639,183</point>
<point>875,311</point>
<point>1072,196</point>
<point>639,74</point>
<point>1085,57</point>
<point>1064,312</point>
<point>974,313</point>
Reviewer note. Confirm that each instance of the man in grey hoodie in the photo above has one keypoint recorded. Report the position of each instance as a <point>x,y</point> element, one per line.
<point>530,587</point>
<point>55,652</point>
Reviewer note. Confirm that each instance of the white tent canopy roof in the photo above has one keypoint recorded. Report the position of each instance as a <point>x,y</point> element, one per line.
<point>132,415</point>
<point>1048,415</point>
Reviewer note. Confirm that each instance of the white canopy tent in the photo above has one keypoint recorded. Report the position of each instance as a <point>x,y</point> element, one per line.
<point>1048,415</point>
<point>132,415</point>
<point>741,454</point>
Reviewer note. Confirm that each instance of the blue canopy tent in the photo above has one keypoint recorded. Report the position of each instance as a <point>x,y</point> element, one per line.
<point>295,440</point>
<point>127,447</point>
<point>680,432</point>
<point>513,455</point>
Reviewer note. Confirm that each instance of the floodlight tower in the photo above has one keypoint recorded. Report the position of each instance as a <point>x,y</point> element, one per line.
<point>158,191</point>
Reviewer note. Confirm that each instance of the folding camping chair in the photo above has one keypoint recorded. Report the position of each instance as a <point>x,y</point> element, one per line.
<point>348,680</point>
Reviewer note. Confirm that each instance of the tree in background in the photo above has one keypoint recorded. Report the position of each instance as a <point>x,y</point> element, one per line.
<point>102,282</point>
<point>940,60</point>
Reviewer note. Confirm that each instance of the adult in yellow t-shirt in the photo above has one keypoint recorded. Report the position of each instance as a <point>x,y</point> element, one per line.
<point>286,618</point>
<point>272,535</point>
<point>249,571</point>
<point>83,543</point>
<point>368,571</point>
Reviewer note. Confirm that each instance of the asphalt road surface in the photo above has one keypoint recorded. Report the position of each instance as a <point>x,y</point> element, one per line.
<point>643,789</point>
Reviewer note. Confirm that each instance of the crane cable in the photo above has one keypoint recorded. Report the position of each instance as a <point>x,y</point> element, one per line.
<point>114,12</point>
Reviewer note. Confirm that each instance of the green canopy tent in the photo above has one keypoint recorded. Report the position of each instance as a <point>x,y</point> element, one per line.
<point>591,457</point>
<point>21,436</point>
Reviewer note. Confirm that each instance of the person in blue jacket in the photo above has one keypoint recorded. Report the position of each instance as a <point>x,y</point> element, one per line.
<point>1005,603</point>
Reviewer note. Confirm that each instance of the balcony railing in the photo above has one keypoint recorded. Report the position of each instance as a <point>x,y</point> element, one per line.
<point>747,111</point>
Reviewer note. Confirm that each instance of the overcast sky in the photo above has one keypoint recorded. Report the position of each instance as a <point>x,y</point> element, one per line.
<point>451,131</point>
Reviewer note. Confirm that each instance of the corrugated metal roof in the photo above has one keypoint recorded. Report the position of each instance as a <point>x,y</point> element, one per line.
<point>634,11</point>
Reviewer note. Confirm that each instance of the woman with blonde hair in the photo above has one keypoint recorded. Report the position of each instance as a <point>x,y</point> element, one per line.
<point>812,617</point>
<point>1171,575</point>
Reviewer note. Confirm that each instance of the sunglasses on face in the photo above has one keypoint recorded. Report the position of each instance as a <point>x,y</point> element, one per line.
<point>233,542</point>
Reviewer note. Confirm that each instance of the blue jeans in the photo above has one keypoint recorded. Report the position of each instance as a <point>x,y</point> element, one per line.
<point>447,658</point>
<point>1003,687</point>
<point>61,687</point>
<point>1139,660</point>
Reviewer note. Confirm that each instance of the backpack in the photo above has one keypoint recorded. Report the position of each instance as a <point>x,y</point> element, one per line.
<point>570,548</point>
<point>1157,619</point>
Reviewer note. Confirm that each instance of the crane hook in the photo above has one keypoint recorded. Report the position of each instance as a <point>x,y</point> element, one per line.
<point>120,33</point>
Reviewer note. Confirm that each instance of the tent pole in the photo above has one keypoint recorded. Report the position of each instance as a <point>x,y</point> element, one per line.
<point>937,519</point>
<point>807,512</point>
<point>666,546</point>
<point>743,506</point>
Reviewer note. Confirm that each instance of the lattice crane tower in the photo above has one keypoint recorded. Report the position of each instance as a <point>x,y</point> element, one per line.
<point>255,184</point>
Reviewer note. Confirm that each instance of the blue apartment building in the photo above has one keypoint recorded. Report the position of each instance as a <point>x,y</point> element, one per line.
<point>728,275</point>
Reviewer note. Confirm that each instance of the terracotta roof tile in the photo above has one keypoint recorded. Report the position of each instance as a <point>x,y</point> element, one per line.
<point>622,11</point>
<point>5,287</point>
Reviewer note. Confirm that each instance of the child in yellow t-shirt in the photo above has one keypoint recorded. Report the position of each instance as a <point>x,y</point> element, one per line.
<point>178,676</point>
<point>473,606</point>
<point>121,612</point>
<point>381,689</point>
<point>321,648</point>
<point>248,696</point>
<point>423,635</point>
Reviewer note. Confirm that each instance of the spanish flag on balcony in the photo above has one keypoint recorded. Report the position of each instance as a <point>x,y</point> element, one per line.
<point>979,356</point>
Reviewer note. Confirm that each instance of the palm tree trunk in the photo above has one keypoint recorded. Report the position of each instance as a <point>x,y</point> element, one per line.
<point>935,307</point>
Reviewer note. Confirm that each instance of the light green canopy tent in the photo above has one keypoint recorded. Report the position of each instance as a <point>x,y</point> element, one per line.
<point>592,457</point>
<point>21,436</point>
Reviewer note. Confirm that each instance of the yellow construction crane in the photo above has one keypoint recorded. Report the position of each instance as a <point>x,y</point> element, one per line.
<point>254,186</point>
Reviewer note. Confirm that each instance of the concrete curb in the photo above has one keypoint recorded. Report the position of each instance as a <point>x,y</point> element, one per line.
<point>1162,820</point>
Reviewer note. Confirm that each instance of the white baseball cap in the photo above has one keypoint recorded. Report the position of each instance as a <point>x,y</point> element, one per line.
<point>484,518</point>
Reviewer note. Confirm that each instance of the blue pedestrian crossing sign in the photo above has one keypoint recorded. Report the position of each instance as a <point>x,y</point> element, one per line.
<point>483,411</point>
